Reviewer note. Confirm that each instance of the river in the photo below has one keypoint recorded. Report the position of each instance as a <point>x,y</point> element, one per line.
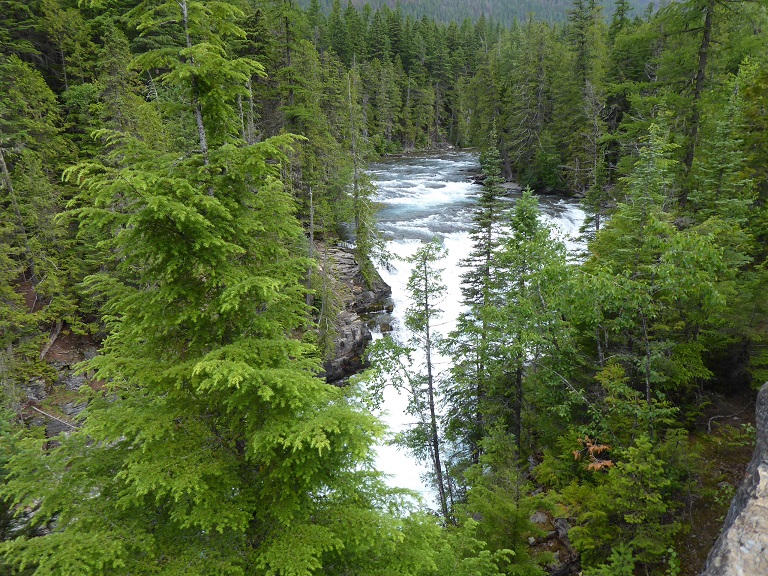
<point>423,196</point>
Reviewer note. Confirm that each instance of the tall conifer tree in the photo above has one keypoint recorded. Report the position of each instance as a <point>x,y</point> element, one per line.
<point>217,449</point>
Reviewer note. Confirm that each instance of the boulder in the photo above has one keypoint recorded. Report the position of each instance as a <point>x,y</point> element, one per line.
<point>55,427</point>
<point>36,390</point>
<point>554,540</point>
<point>511,187</point>
<point>69,380</point>
<point>742,548</point>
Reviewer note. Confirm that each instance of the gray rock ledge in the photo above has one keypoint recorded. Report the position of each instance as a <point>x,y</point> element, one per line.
<point>358,298</point>
<point>742,548</point>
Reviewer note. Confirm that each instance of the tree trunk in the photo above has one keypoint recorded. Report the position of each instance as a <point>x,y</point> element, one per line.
<point>288,54</point>
<point>648,398</point>
<point>434,438</point>
<point>698,89</point>
<point>311,245</point>
<point>518,408</point>
<point>195,92</point>
<point>353,143</point>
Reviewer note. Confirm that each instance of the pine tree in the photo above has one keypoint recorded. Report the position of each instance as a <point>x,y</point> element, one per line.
<point>316,22</point>
<point>469,345</point>
<point>669,290</point>
<point>704,39</point>
<point>19,33</point>
<point>37,248</point>
<point>356,33</point>
<point>426,290</point>
<point>620,19</point>
<point>580,102</point>
<point>215,448</point>
<point>530,324</point>
<point>528,66</point>
<point>630,508</point>
<point>721,187</point>
<point>499,494</point>
<point>338,33</point>
<point>393,363</point>
<point>198,64</point>
<point>583,33</point>
<point>378,38</point>
<point>369,245</point>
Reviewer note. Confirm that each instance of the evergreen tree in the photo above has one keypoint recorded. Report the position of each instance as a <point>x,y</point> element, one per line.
<point>529,70</point>
<point>338,35</point>
<point>378,38</point>
<point>721,188</point>
<point>38,268</point>
<point>581,108</point>
<point>703,39</point>
<point>499,494</point>
<point>530,325</point>
<point>393,362</point>
<point>316,22</point>
<point>356,33</point>
<point>70,34</point>
<point>19,33</point>
<point>216,449</point>
<point>368,242</point>
<point>469,344</point>
<point>670,287</point>
<point>426,290</point>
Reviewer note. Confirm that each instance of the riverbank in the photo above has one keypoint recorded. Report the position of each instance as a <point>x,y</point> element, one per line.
<point>361,301</point>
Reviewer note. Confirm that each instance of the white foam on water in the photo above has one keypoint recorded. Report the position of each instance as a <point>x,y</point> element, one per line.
<point>567,224</point>
<point>425,197</point>
<point>404,471</point>
<point>425,194</point>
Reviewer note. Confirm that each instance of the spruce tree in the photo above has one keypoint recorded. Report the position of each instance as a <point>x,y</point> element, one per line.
<point>215,448</point>
<point>38,262</point>
<point>670,289</point>
<point>393,363</point>
<point>469,345</point>
<point>426,289</point>
<point>529,326</point>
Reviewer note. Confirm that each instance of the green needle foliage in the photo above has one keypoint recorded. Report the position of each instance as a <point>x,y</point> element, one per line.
<point>219,150</point>
<point>216,448</point>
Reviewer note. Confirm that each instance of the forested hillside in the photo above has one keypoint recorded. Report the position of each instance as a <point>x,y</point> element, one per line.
<point>169,170</point>
<point>504,11</point>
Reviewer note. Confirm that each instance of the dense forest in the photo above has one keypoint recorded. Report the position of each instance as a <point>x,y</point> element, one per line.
<point>169,169</point>
<point>504,11</point>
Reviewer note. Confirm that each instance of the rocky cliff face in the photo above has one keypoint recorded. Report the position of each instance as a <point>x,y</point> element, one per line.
<point>742,548</point>
<point>353,334</point>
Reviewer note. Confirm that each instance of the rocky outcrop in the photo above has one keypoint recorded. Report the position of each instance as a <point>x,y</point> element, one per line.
<point>352,336</point>
<point>509,186</point>
<point>357,297</point>
<point>360,296</point>
<point>57,406</point>
<point>554,540</point>
<point>742,548</point>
